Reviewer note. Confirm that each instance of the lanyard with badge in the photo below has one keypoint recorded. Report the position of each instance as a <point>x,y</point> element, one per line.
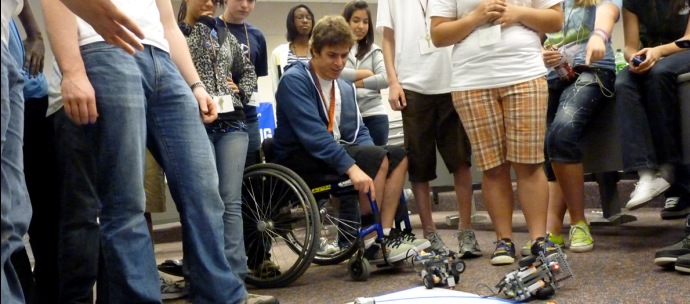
<point>223,102</point>
<point>425,45</point>
<point>254,99</point>
<point>331,109</point>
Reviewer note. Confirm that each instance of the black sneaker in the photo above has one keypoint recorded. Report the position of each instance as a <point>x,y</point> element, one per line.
<point>504,254</point>
<point>676,207</point>
<point>683,263</point>
<point>544,245</point>
<point>667,256</point>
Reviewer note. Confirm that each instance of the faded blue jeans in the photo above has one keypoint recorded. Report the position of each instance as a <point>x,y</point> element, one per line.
<point>572,105</point>
<point>16,207</point>
<point>143,101</point>
<point>230,149</point>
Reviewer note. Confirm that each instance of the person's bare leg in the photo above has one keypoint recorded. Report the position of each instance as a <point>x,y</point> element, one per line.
<point>572,182</point>
<point>533,195</point>
<point>391,193</point>
<point>379,186</point>
<point>422,201</point>
<point>557,208</point>
<point>462,178</point>
<point>497,191</point>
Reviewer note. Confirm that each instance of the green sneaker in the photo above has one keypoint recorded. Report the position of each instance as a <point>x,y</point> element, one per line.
<point>580,238</point>
<point>557,239</point>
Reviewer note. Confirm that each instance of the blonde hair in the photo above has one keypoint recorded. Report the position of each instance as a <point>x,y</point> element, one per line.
<point>331,31</point>
<point>586,3</point>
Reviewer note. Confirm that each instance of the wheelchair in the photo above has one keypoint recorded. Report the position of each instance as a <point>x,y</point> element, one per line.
<point>291,221</point>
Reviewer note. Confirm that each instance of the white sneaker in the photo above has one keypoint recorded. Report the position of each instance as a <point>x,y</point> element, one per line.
<point>326,247</point>
<point>646,191</point>
<point>171,289</point>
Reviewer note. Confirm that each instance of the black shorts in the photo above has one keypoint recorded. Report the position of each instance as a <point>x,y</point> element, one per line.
<point>430,122</point>
<point>367,158</point>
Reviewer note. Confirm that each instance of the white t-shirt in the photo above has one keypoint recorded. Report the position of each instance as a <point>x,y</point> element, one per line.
<point>425,74</point>
<point>516,58</point>
<point>9,8</point>
<point>143,12</point>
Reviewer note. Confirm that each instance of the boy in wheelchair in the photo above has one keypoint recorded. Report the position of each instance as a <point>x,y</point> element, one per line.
<point>320,131</point>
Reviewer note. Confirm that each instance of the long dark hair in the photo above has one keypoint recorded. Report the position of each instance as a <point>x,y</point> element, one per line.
<point>677,6</point>
<point>363,45</point>
<point>290,22</point>
<point>183,9</point>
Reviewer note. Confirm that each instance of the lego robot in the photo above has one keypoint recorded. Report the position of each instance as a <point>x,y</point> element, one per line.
<point>440,269</point>
<point>538,277</point>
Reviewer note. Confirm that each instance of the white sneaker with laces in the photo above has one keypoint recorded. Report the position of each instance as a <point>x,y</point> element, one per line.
<point>646,191</point>
<point>326,247</point>
<point>171,289</point>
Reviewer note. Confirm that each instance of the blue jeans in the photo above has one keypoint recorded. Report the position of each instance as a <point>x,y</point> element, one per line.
<point>378,128</point>
<point>572,105</point>
<point>143,101</point>
<point>79,236</point>
<point>230,149</point>
<point>254,143</point>
<point>648,109</point>
<point>16,207</point>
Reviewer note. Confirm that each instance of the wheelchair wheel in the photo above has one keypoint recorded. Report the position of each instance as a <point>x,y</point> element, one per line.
<point>339,230</point>
<point>359,269</point>
<point>281,225</point>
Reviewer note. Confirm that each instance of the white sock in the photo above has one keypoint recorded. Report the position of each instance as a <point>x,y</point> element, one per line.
<point>369,242</point>
<point>646,175</point>
<point>386,231</point>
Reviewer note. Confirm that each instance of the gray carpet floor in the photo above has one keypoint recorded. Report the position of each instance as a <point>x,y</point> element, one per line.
<point>619,270</point>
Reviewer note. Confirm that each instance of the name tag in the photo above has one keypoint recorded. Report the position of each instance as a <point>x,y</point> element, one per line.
<point>254,101</point>
<point>426,46</point>
<point>490,35</point>
<point>224,103</point>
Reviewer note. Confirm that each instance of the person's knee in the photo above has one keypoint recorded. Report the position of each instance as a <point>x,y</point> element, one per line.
<point>383,169</point>
<point>498,171</point>
<point>560,146</point>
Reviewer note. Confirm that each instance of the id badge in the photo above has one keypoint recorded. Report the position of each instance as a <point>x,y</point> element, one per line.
<point>224,103</point>
<point>490,35</point>
<point>426,46</point>
<point>254,100</point>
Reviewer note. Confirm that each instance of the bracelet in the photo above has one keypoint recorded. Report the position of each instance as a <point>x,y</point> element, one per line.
<point>601,33</point>
<point>197,84</point>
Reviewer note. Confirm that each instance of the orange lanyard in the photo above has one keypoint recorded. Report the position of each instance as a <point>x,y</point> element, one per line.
<point>331,109</point>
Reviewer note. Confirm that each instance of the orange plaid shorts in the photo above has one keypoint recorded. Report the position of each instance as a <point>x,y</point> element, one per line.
<point>506,123</point>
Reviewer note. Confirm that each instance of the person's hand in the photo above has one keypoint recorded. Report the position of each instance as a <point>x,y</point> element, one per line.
<point>34,54</point>
<point>551,57</point>
<point>596,49</point>
<point>79,98</point>
<point>207,108</point>
<point>652,55</point>
<point>359,84</point>
<point>233,86</point>
<point>512,14</point>
<point>361,181</point>
<point>490,10</point>
<point>109,22</point>
<point>396,97</point>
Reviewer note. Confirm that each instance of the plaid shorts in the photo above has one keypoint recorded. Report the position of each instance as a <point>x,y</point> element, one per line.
<point>506,123</point>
